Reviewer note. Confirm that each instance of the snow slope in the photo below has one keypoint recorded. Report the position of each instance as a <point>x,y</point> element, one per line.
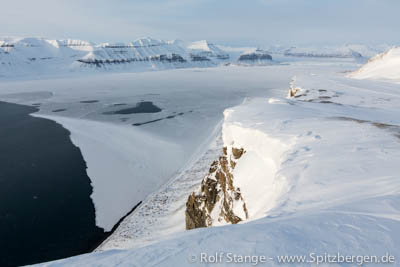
<point>383,66</point>
<point>34,56</point>
<point>207,49</point>
<point>320,175</point>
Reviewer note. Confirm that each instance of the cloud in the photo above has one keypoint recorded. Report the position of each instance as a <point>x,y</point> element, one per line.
<point>226,21</point>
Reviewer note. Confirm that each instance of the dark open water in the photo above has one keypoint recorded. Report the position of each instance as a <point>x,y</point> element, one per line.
<point>46,212</point>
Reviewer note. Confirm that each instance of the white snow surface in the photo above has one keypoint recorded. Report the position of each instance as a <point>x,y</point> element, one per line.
<point>385,66</point>
<point>255,172</point>
<point>326,161</point>
<point>204,46</point>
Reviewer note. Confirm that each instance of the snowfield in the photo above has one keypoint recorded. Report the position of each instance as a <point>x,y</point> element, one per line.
<point>320,176</point>
<point>385,66</point>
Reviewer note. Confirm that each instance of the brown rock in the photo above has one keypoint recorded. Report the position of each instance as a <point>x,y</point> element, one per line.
<point>217,191</point>
<point>237,152</point>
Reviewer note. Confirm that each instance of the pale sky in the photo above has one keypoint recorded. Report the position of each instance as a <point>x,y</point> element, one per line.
<point>235,22</point>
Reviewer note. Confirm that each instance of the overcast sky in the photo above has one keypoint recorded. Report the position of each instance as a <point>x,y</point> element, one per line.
<point>237,22</point>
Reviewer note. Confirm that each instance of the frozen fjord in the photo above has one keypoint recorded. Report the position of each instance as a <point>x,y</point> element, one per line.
<point>127,163</point>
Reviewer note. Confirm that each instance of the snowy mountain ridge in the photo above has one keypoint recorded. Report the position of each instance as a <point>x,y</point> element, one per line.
<point>27,57</point>
<point>341,51</point>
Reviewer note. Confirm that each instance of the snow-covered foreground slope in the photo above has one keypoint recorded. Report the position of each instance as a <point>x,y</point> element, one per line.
<point>384,66</point>
<point>319,176</point>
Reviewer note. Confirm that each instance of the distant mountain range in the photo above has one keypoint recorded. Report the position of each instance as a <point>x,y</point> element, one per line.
<point>22,57</point>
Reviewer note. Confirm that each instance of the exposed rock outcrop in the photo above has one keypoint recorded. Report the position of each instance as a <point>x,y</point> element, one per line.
<point>293,90</point>
<point>255,56</point>
<point>323,53</point>
<point>171,58</point>
<point>199,58</point>
<point>168,58</point>
<point>218,201</point>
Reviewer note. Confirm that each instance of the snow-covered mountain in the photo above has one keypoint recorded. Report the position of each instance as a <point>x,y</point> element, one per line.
<point>30,56</point>
<point>382,66</point>
<point>255,57</point>
<point>38,56</point>
<point>344,51</point>
<point>208,50</point>
<point>143,52</point>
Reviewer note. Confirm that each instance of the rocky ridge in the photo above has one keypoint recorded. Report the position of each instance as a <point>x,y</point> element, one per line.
<point>218,201</point>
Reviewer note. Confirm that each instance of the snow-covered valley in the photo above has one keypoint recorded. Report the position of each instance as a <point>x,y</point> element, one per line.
<point>318,170</point>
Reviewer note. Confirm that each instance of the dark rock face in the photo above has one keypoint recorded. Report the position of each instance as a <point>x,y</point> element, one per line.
<point>195,217</point>
<point>168,58</point>
<point>255,56</point>
<point>211,54</point>
<point>351,54</point>
<point>172,58</point>
<point>199,58</point>
<point>223,57</point>
<point>237,152</point>
<point>6,45</point>
<point>214,202</point>
<point>100,62</point>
